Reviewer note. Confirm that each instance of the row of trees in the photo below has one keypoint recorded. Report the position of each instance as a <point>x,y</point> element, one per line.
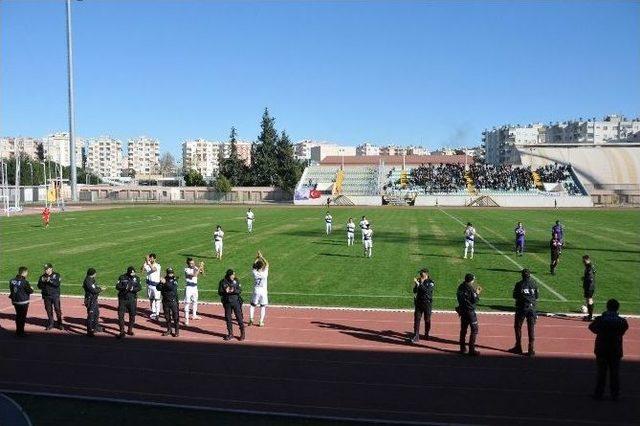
<point>32,172</point>
<point>272,162</point>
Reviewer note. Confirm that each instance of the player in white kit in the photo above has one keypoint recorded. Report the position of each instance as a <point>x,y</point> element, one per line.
<point>153,269</point>
<point>367,239</point>
<point>363,225</point>
<point>218,235</point>
<point>469,239</point>
<point>328,220</point>
<point>191,273</point>
<point>260,293</point>
<point>351,231</point>
<point>250,218</point>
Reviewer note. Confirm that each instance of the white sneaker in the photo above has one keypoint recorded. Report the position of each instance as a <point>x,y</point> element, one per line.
<point>195,317</point>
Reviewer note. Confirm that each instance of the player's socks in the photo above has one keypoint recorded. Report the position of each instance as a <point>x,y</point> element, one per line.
<point>195,311</point>
<point>263,314</point>
<point>252,310</point>
<point>590,310</point>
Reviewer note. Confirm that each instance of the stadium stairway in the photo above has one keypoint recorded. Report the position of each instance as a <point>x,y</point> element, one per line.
<point>537,181</point>
<point>471,188</point>
<point>343,200</point>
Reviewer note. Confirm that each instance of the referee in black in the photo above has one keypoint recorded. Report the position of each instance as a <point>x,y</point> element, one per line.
<point>525,294</point>
<point>423,287</point>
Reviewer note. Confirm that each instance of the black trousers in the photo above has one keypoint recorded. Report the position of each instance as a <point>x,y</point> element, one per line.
<point>468,320</point>
<point>21,318</point>
<point>130,307</point>
<point>612,365</point>
<point>420,310</point>
<point>51,304</point>
<point>554,261</point>
<point>171,314</point>
<point>236,308</point>
<point>93,314</point>
<point>530,316</point>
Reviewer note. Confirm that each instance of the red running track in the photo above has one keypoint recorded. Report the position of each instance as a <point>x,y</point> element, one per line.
<point>329,363</point>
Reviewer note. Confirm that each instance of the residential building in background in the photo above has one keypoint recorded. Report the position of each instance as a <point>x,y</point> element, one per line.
<point>244,151</point>
<point>367,149</point>
<point>104,156</point>
<point>143,154</point>
<point>26,145</point>
<point>417,150</point>
<point>56,148</point>
<point>322,150</point>
<point>201,155</point>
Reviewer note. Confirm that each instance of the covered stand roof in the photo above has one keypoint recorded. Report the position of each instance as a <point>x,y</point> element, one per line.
<point>393,160</point>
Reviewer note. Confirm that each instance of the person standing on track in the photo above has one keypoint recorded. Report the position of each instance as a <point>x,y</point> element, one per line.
<point>250,219</point>
<point>423,287</point>
<point>153,270</point>
<point>49,283</point>
<point>328,220</point>
<point>351,232</point>
<point>520,236</point>
<point>91,292</point>
<point>556,248</point>
<point>525,294</point>
<point>260,294</point>
<point>46,216</point>
<point>588,285</point>
<point>19,293</point>
<point>468,296</point>
<point>229,290</point>
<point>168,288</point>
<point>191,273</point>
<point>128,287</point>
<point>218,235</point>
<point>469,239</point>
<point>609,329</point>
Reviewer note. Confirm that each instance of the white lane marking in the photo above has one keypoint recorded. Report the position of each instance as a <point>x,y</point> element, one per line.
<point>549,288</point>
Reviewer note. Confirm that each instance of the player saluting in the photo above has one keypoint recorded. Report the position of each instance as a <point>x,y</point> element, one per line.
<point>367,236</point>
<point>328,219</point>
<point>260,294</point>
<point>46,215</point>
<point>469,239</point>
<point>351,231</point>
<point>218,235</point>
<point>152,269</point>
<point>520,235</point>
<point>363,225</point>
<point>250,219</point>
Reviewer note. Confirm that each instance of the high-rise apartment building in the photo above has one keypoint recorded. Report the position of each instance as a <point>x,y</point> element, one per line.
<point>104,156</point>
<point>143,154</point>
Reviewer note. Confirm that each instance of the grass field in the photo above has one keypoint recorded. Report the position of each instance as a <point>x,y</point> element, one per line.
<point>309,268</point>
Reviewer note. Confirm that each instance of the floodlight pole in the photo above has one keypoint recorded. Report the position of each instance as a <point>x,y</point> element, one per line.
<point>72,137</point>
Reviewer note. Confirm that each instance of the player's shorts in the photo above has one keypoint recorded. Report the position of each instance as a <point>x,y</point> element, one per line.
<point>588,293</point>
<point>259,297</point>
<point>351,235</point>
<point>469,243</point>
<point>217,245</point>
<point>191,294</point>
<point>368,244</point>
<point>153,292</point>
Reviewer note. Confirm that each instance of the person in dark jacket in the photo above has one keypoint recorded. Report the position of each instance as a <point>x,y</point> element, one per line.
<point>91,292</point>
<point>168,288</point>
<point>609,329</point>
<point>555,245</point>
<point>49,283</point>
<point>588,285</point>
<point>423,287</point>
<point>128,287</point>
<point>229,290</point>
<point>468,296</point>
<point>525,294</point>
<point>20,292</point>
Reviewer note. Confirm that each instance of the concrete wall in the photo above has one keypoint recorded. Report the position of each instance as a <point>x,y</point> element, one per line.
<point>507,201</point>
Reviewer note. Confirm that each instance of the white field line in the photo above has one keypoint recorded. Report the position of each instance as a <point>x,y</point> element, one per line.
<point>487,242</point>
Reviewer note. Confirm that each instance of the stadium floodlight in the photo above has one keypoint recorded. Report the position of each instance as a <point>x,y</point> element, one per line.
<point>72,137</point>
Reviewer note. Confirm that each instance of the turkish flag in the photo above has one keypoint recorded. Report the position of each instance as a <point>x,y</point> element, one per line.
<point>314,193</point>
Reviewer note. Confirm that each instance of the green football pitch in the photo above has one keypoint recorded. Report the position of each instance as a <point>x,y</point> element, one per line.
<point>310,268</point>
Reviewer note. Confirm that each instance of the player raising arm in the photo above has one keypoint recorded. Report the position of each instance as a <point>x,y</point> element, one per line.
<point>260,293</point>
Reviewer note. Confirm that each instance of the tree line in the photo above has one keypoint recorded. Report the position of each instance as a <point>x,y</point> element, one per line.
<point>32,172</point>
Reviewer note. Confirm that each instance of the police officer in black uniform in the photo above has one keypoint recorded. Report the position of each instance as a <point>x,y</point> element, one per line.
<point>423,287</point>
<point>49,283</point>
<point>588,285</point>
<point>168,288</point>
<point>229,290</point>
<point>468,296</point>
<point>525,293</point>
<point>20,292</point>
<point>128,287</point>
<point>91,292</point>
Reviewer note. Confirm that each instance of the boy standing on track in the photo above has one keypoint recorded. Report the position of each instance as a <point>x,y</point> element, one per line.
<point>250,219</point>
<point>20,292</point>
<point>46,215</point>
<point>467,297</point>
<point>423,287</point>
<point>153,270</point>
<point>520,236</point>
<point>351,232</point>
<point>260,294</point>
<point>367,236</point>
<point>588,285</point>
<point>525,294</point>
<point>218,235</point>
<point>469,239</point>
<point>128,287</point>
<point>191,273</point>
<point>328,219</point>
<point>49,283</point>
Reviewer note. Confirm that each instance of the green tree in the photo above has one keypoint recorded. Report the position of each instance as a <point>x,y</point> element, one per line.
<point>234,168</point>
<point>289,169</point>
<point>222,184</point>
<point>263,155</point>
<point>194,178</point>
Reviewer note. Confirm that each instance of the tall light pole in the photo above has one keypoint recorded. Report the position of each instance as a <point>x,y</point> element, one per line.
<point>72,136</point>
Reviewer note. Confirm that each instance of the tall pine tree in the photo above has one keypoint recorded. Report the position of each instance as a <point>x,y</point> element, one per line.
<point>234,168</point>
<point>264,170</point>
<point>288,168</point>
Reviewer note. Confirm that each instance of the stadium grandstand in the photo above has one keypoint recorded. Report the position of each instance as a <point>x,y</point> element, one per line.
<point>455,180</point>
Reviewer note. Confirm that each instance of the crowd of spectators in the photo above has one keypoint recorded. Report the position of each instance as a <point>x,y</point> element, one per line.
<point>439,178</point>
<point>554,173</point>
<point>503,178</point>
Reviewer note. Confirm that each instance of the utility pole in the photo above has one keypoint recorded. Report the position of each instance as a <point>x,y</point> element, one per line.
<point>72,136</point>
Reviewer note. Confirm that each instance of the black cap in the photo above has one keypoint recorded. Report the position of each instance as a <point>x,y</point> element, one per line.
<point>48,265</point>
<point>469,277</point>
<point>169,270</point>
<point>91,271</point>
<point>130,269</point>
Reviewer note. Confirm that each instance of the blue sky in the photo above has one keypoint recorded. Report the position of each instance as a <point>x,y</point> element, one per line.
<point>431,73</point>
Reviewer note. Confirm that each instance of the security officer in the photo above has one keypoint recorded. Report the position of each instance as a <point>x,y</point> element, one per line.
<point>588,285</point>
<point>525,294</point>
<point>423,287</point>
<point>168,288</point>
<point>91,292</point>
<point>20,292</point>
<point>468,296</point>
<point>49,283</point>
<point>229,290</point>
<point>128,287</point>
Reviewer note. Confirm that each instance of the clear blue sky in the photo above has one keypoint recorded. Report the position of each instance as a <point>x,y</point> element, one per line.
<point>385,72</point>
